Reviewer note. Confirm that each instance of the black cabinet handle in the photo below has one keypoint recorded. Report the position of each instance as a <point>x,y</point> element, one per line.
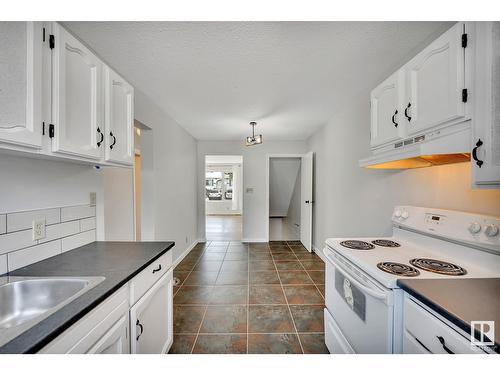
<point>443,343</point>
<point>474,153</point>
<point>114,140</point>
<point>138,324</point>
<point>393,121</point>
<point>406,112</point>
<point>102,137</point>
<point>157,269</point>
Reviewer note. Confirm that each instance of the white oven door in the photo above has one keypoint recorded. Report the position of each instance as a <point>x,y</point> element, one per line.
<point>362,310</point>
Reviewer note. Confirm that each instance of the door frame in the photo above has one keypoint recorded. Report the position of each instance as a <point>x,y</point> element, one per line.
<point>268,160</point>
<point>202,185</point>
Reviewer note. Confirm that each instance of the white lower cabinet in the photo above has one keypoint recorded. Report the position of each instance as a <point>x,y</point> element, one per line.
<point>115,341</point>
<point>138,318</point>
<point>151,320</point>
<point>427,332</point>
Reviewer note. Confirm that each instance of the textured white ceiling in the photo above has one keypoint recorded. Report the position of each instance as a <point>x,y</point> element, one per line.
<point>214,78</point>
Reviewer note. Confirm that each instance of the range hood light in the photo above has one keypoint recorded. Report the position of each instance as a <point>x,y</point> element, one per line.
<point>422,161</point>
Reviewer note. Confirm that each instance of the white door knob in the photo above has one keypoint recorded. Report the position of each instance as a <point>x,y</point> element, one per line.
<point>405,215</point>
<point>491,230</point>
<point>474,228</point>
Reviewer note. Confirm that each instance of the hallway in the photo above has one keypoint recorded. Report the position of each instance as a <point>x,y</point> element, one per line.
<point>224,227</point>
<point>255,298</point>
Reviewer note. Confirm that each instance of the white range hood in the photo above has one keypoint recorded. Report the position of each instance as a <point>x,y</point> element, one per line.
<point>445,146</point>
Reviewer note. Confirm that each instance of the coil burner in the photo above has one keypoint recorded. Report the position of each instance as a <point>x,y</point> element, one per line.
<point>357,245</point>
<point>438,266</point>
<point>398,269</point>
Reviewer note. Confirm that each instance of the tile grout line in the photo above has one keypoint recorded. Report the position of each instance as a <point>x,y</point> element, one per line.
<point>192,269</point>
<point>288,306</point>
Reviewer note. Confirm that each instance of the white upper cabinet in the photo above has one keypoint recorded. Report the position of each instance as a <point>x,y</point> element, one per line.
<point>21,83</point>
<point>77,103</point>
<point>119,119</point>
<point>486,122</point>
<point>386,116</point>
<point>435,79</point>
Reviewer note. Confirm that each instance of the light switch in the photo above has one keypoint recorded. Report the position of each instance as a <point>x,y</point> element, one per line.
<point>38,229</point>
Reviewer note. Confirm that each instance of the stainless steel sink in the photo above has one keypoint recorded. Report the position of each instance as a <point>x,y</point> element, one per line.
<point>25,301</point>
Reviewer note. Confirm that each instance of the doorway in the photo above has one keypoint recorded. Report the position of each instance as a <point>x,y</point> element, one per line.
<point>223,197</point>
<point>289,198</point>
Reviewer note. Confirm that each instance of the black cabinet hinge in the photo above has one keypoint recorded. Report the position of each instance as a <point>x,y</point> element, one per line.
<point>52,41</point>
<point>51,130</point>
<point>464,40</point>
<point>465,95</point>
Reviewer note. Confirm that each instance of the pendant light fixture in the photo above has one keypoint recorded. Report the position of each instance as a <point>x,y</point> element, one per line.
<point>254,139</point>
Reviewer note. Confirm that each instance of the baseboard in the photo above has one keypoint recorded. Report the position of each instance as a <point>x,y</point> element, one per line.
<point>186,252</point>
<point>319,252</point>
<point>254,240</point>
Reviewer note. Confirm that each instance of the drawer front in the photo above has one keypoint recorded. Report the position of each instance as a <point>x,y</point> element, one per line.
<point>149,276</point>
<point>436,336</point>
<point>84,334</point>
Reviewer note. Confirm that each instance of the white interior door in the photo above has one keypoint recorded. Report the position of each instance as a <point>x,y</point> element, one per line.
<point>306,195</point>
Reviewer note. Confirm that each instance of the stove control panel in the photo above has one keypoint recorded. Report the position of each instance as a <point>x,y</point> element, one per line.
<point>468,228</point>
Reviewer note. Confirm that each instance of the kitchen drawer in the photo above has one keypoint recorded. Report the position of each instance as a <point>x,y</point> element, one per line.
<point>86,332</point>
<point>149,276</point>
<point>423,328</point>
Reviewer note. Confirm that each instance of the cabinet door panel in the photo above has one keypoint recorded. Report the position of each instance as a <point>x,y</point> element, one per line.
<point>151,323</point>
<point>435,78</point>
<point>21,83</point>
<point>77,106</point>
<point>115,341</point>
<point>486,121</point>
<point>119,119</point>
<point>385,108</point>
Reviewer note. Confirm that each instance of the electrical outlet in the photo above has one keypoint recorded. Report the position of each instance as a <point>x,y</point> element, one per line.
<point>38,229</point>
<point>93,198</point>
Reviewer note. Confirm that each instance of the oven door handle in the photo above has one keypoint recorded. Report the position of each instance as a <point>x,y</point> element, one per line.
<point>359,285</point>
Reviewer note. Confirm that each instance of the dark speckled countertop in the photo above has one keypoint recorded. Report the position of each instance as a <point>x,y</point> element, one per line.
<point>118,262</point>
<point>460,300</point>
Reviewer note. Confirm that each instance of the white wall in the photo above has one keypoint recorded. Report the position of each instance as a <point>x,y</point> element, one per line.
<point>254,176</point>
<point>282,177</point>
<point>352,201</point>
<point>169,177</point>
<point>29,183</point>
<point>292,219</point>
<point>118,204</point>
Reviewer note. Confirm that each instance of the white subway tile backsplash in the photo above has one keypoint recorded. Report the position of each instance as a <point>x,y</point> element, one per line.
<point>77,240</point>
<point>3,224</point>
<point>66,228</point>
<point>21,258</point>
<point>3,264</point>
<point>24,220</point>
<point>61,230</point>
<point>15,241</point>
<point>77,212</point>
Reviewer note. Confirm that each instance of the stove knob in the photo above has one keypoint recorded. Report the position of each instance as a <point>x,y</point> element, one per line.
<point>397,213</point>
<point>405,215</point>
<point>474,228</point>
<point>491,230</point>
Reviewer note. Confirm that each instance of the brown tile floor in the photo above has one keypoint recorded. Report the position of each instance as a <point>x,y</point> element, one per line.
<point>249,298</point>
